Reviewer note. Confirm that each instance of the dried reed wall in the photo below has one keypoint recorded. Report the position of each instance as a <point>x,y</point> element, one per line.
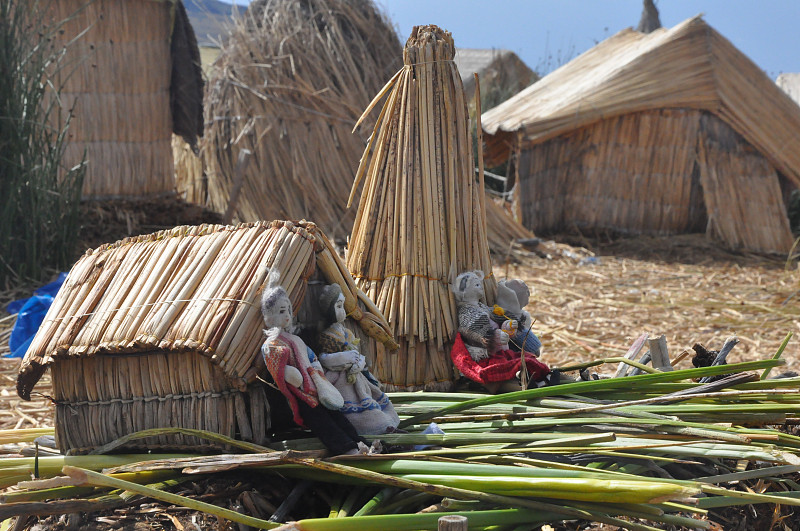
<point>102,398</point>
<point>656,172</point>
<point>117,80</point>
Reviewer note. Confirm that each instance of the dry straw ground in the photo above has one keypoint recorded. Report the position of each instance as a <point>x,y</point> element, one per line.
<point>590,307</point>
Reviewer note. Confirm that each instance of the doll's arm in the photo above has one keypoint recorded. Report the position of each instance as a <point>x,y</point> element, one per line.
<point>292,376</point>
<point>339,361</point>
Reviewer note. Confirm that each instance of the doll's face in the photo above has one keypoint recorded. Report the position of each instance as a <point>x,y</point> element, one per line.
<point>338,308</point>
<point>282,313</point>
<point>473,290</point>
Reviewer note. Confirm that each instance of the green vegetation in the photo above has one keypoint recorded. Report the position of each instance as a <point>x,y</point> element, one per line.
<point>39,199</point>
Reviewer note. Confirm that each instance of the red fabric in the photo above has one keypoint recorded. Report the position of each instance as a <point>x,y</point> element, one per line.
<point>501,366</point>
<point>276,357</point>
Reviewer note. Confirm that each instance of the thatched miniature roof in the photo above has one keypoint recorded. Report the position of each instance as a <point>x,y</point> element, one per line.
<point>790,83</point>
<point>191,288</point>
<point>288,86</point>
<point>688,66</point>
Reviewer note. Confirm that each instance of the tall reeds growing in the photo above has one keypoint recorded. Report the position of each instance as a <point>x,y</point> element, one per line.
<point>39,197</point>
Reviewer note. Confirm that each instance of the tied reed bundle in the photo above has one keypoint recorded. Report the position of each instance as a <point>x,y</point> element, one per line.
<point>421,218</point>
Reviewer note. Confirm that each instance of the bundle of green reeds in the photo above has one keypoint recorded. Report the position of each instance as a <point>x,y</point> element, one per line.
<point>591,450</point>
<point>421,219</point>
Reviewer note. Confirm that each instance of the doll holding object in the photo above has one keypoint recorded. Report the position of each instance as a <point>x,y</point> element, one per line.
<point>365,405</point>
<point>481,350</point>
<point>298,375</point>
<point>508,314</point>
<point>479,333</point>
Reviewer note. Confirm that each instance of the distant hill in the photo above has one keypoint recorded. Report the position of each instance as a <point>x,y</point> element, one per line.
<point>210,19</point>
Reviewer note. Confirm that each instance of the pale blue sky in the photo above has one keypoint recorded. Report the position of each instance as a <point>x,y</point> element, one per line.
<point>546,33</point>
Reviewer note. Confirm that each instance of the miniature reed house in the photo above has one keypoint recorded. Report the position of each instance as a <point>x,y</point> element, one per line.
<point>158,331</point>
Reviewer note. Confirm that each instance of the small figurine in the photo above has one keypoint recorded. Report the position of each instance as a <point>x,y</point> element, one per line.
<point>481,336</point>
<point>481,348</point>
<point>512,296</point>
<point>297,373</point>
<point>365,405</point>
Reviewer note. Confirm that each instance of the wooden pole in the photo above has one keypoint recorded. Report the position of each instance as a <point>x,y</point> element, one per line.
<point>453,522</point>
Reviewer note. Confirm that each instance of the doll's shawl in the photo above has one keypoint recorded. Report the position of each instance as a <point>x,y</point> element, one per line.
<point>277,354</point>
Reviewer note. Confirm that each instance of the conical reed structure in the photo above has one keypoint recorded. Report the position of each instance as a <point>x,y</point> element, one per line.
<point>421,219</point>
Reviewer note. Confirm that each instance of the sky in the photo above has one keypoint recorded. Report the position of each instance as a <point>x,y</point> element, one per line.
<point>548,33</point>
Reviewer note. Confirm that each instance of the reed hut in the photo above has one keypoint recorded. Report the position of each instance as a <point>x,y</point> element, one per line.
<point>288,87</point>
<point>421,218</point>
<point>502,73</point>
<point>128,86</point>
<point>158,331</point>
<point>666,132</point>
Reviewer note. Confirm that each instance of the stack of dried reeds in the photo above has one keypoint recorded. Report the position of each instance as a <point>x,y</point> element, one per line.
<point>159,330</point>
<point>501,228</point>
<point>288,86</point>
<point>421,220</point>
<point>117,85</point>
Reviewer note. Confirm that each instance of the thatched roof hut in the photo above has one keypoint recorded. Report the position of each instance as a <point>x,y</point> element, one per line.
<point>158,331</point>
<point>129,86</point>
<point>502,73</point>
<point>288,86</point>
<point>667,132</point>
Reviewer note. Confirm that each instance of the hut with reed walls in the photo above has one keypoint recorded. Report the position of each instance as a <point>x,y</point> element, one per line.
<point>421,218</point>
<point>287,88</point>
<point>502,73</point>
<point>159,330</point>
<point>132,78</point>
<point>667,132</point>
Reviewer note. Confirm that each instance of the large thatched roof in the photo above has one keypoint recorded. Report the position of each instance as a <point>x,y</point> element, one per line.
<point>688,66</point>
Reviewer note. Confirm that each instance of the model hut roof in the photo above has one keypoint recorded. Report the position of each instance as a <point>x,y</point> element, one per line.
<point>172,320</point>
<point>288,86</point>
<point>688,66</point>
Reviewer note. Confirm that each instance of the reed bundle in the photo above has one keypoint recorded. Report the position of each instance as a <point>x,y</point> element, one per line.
<point>421,219</point>
<point>159,330</point>
<point>118,89</point>
<point>288,86</point>
<point>545,455</point>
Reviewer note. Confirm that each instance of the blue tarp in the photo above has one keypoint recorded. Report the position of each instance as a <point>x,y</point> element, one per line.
<point>31,312</point>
